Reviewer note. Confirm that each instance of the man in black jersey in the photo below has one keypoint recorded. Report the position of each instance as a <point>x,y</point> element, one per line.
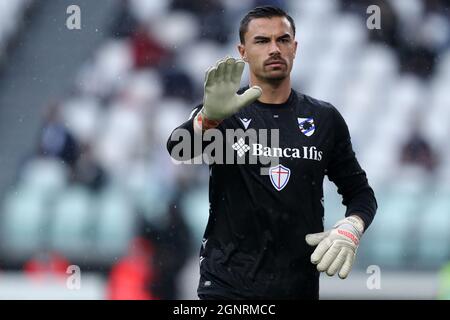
<point>265,238</point>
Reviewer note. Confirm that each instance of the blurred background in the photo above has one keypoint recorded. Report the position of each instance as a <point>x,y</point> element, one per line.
<point>85,178</point>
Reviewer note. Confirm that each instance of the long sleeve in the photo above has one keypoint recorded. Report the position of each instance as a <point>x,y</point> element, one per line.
<point>184,135</point>
<point>351,180</point>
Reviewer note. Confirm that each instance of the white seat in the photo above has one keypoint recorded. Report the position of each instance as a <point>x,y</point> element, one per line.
<point>378,65</point>
<point>318,9</point>
<point>122,137</point>
<point>330,80</point>
<point>434,232</point>
<point>48,176</point>
<point>145,10</point>
<point>10,17</point>
<point>177,29</point>
<point>334,210</point>
<point>172,112</point>
<point>71,226</point>
<point>347,36</point>
<point>435,129</point>
<point>82,115</point>
<point>410,13</point>
<point>113,62</point>
<point>148,190</point>
<point>439,97</point>
<point>115,224</point>
<point>196,208</point>
<point>141,91</point>
<point>196,59</point>
<point>391,228</point>
<point>23,225</point>
<point>443,67</point>
<point>406,100</point>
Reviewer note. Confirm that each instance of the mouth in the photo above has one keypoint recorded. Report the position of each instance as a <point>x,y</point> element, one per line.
<point>276,63</point>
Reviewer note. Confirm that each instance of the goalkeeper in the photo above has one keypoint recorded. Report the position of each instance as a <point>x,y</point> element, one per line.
<point>265,237</point>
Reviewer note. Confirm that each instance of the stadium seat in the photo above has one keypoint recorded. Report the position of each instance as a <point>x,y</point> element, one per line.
<point>195,60</point>
<point>410,12</point>
<point>146,11</point>
<point>347,36</point>
<point>319,9</point>
<point>444,65</point>
<point>149,198</point>
<point>46,176</point>
<point>172,113</point>
<point>10,16</point>
<point>82,115</point>
<point>113,62</point>
<point>141,91</point>
<point>196,208</point>
<point>23,222</point>
<point>334,209</point>
<point>378,66</point>
<point>177,30</point>
<point>115,223</point>
<point>122,136</point>
<point>433,238</point>
<point>390,231</point>
<point>71,229</point>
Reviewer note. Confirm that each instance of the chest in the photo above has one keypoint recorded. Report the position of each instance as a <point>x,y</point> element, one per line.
<point>295,138</point>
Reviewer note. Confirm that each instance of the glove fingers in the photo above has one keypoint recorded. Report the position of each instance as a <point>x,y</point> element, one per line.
<point>320,251</point>
<point>229,67</point>
<point>337,263</point>
<point>249,96</point>
<point>210,75</point>
<point>237,71</point>
<point>328,258</point>
<point>220,73</point>
<point>313,239</point>
<point>347,266</point>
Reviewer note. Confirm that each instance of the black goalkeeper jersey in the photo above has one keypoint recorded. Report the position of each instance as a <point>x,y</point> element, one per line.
<point>254,244</point>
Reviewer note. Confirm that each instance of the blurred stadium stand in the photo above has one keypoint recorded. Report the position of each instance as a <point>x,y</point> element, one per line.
<point>91,172</point>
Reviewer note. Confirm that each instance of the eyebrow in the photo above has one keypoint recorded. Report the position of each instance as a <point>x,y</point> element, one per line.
<point>284,36</point>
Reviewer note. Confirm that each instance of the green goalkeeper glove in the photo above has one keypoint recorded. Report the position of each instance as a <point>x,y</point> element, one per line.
<point>220,100</point>
<point>336,248</point>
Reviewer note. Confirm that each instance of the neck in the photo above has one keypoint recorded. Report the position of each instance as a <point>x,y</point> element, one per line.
<point>275,92</point>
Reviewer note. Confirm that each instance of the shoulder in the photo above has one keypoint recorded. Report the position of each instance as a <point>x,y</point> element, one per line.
<point>324,110</point>
<point>319,106</point>
<point>315,103</point>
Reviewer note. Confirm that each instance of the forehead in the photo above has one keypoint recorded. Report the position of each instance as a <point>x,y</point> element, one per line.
<point>274,26</point>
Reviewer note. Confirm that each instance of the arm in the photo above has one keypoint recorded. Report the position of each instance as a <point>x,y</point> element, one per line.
<point>186,134</point>
<point>350,179</point>
<point>336,248</point>
<point>220,101</point>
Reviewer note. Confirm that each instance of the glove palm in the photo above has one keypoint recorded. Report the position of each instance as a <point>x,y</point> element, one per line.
<point>336,248</point>
<point>221,83</point>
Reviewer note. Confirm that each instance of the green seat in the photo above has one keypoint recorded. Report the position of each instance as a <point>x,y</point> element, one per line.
<point>71,225</point>
<point>434,232</point>
<point>23,222</point>
<point>116,224</point>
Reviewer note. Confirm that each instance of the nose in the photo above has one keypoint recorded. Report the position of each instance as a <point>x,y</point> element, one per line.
<point>274,49</point>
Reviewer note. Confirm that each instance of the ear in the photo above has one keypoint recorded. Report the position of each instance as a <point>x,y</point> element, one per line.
<point>295,49</point>
<point>242,52</point>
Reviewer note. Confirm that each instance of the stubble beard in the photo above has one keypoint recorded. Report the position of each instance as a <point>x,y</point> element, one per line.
<point>273,80</point>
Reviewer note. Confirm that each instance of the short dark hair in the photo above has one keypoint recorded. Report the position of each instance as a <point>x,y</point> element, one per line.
<point>262,12</point>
